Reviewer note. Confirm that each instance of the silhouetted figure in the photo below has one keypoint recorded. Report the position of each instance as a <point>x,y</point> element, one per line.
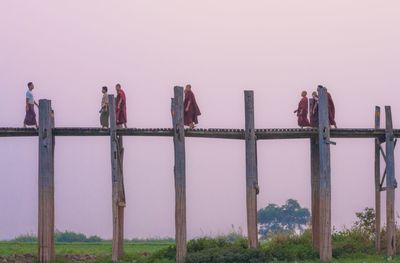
<point>120,107</point>
<point>314,110</point>
<point>331,111</point>
<point>190,107</point>
<point>302,111</point>
<point>30,115</point>
<point>104,111</point>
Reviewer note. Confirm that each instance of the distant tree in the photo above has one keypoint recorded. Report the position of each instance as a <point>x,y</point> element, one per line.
<point>286,219</point>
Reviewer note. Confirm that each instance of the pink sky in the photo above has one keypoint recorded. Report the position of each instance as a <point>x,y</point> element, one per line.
<point>276,48</point>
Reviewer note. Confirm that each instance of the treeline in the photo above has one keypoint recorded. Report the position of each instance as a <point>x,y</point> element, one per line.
<point>61,237</point>
<point>70,237</point>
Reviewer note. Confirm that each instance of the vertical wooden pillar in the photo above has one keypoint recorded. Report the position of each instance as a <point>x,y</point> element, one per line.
<point>251,169</point>
<point>46,183</point>
<point>377,183</point>
<point>325,239</point>
<point>179,175</point>
<point>314,146</point>
<point>118,191</point>
<point>390,185</point>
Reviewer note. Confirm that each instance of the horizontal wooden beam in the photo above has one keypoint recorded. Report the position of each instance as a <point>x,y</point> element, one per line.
<point>261,134</point>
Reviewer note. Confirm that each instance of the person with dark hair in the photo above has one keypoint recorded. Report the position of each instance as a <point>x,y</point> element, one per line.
<point>30,115</point>
<point>314,110</point>
<point>191,109</point>
<point>104,113</point>
<point>302,111</point>
<point>120,107</point>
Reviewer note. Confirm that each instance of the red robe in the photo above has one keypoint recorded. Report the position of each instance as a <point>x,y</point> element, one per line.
<point>302,112</point>
<point>120,111</point>
<point>331,110</point>
<point>314,115</point>
<point>190,116</point>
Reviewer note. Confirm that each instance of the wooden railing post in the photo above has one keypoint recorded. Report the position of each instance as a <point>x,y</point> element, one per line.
<point>314,146</point>
<point>46,183</point>
<point>325,239</point>
<point>118,191</point>
<point>390,185</point>
<point>251,170</point>
<point>179,175</point>
<point>377,183</point>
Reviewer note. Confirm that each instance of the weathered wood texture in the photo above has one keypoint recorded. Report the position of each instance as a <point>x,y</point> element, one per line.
<point>314,147</point>
<point>390,185</point>
<point>179,175</point>
<point>377,167</point>
<point>325,239</point>
<point>251,170</point>
<point>217,133</point>
<point>118,191</point>
<point>46,183</point>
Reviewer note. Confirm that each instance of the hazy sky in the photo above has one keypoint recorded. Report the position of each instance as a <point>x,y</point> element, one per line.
<point>69,49</point>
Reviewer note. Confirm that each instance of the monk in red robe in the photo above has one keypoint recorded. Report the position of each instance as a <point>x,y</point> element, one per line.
<point>302,111</point>
<point>314,110</point>
<point>190,107</point>
<point>120,107</point>
<point>331,111</point>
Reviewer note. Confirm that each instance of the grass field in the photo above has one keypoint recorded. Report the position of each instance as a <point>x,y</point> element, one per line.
<point>10,248</point>
<point>134,250</point>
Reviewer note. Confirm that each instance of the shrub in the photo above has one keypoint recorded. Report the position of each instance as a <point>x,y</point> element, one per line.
<point>228,255</point>
<point>292,247</point>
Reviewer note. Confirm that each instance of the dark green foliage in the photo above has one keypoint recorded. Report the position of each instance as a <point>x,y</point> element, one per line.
<point>287,218</point>
<point>68,236</point>
<point>351,241</point>
<point>293,247</point>
<point>366,222</point>
<point>61,237</point>
<point>228,255</point>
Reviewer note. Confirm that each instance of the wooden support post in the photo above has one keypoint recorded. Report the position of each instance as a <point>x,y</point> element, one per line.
<point>325,239</point>
<point>251,170</point>
<point>46,183</point>
<point>377,183</point>
<point>314,146</point>
<point>118,191</point>
<point>179,175</point>
<point>390,185</point>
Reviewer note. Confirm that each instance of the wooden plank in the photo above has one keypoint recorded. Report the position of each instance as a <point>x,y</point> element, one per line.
<point>262,134</point>
<point>390,185</point>
<point>377,183</point>
<point>314,146</point>
<point>325,239</point>
<point>46,183</point>
<point>118,198</point>
<point>251,170</point>
<point>179,175</point>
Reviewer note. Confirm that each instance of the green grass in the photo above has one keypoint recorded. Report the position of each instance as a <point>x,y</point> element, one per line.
<point>134,250</point>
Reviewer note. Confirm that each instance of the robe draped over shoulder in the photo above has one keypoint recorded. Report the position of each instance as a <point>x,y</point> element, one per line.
<point>120,112</point>
<point>331,110</point>
<point>302,113</point>
<point>191,115</point>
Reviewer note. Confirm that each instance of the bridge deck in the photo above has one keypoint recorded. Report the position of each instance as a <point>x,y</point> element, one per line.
<point>262,134</point>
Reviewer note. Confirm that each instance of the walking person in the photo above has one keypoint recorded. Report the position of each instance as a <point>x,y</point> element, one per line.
<point>191,109</point>
<point>30,115</point>
<point>302,111</point>
<point>104,111</point>
<point>120,107</point>
<point>314,110</point>
<point>331,111</point>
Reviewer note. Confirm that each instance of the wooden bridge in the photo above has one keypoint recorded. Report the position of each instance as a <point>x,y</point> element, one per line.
<point>320,141</point>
